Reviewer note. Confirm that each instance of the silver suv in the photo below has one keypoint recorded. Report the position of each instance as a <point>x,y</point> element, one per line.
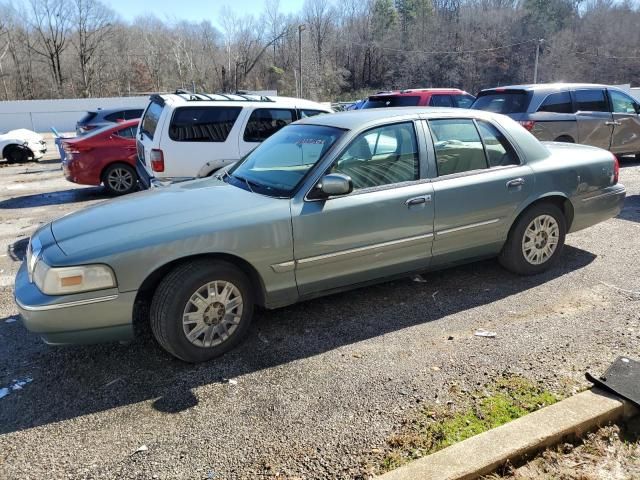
<point>598,115</point>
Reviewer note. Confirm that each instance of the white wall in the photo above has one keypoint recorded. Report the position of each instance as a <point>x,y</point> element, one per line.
<point>41,115</point>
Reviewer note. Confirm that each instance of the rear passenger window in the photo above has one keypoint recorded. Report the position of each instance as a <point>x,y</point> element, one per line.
<point>128,132</point>
<point>457,145</point>
<point>500,153</point>
<point>203,124</point>
<point>114,117</point>
<point>310,113</point>
<point>440,101</point>
<point>591,101</point>
<point>264,122</point>
<point>463,101</point>
<point>131,114</point>
<point>557,103</point>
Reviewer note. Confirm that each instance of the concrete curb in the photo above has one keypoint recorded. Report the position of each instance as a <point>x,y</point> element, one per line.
<point>484,453</point>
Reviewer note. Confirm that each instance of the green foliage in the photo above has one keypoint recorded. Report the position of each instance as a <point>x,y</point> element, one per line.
<point>506,400</point>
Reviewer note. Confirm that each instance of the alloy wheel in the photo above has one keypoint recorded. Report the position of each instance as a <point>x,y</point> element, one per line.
<point>120,180</point>
<point>212,314</point>
<point>540,239</point>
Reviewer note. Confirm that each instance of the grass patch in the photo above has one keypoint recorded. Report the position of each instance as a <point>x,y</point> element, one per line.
<point>434,429</point>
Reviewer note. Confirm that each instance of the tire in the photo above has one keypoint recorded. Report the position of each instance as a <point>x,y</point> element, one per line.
<point>564,139</point>
<point>518,259</point>
<point>15,154</point>
<point>173,302</point>
<point>120,179</point>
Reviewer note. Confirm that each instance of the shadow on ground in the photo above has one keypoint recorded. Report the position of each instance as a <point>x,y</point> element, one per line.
<point>631,209</point>
<point>69,382</point>
<point>74,195</point>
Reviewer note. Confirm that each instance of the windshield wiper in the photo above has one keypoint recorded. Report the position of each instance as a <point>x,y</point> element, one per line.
<point>223,175</point>
<point>247,182</point>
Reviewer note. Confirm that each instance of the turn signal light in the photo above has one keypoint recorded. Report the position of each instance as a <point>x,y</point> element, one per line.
<point>528,124</point>
<point>157,160</point>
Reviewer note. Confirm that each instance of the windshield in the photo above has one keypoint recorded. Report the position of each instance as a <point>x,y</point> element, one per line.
<point>277,165</point>
<point>392,101</point>
<point>505,102</point>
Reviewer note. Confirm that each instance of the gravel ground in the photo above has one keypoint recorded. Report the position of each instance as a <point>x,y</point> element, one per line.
<point>317,386</point>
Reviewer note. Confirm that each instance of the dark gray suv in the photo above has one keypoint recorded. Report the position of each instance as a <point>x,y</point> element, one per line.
<point>102,117</point>
<point>598,115</point>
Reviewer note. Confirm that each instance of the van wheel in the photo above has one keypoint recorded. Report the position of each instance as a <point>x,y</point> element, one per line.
<point>201,310</point>
<point>565,139</point>
<point>120,179</point>
<point>15,154</point>
<point>535,241</point>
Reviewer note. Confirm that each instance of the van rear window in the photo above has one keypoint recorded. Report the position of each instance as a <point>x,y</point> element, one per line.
<point>505,102</point>
<point>150,120</point>
<point>203,124</point>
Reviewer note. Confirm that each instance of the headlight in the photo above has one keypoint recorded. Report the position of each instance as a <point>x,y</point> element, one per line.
<point>33,254</point>
<point>83,278</point>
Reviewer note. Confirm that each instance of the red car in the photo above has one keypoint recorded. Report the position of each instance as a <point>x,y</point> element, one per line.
<point>421,97</point>
<point>107,156</point>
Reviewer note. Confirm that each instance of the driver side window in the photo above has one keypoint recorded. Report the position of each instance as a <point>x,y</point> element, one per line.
<point>621,103</point>
<point>381,156</point>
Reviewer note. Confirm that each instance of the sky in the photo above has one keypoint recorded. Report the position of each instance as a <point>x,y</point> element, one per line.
<point>194,10</point>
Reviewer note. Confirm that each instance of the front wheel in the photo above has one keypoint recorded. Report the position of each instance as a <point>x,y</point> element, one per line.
<point>201,310</point>
<point>120,179</point>
<point>535,241</point>
<point>16,155</point>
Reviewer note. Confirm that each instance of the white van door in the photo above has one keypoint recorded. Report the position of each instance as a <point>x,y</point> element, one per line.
<point>199,135</point>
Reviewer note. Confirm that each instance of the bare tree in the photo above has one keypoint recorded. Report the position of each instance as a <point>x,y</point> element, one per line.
<point>51,22</point>
<point>93,23</point>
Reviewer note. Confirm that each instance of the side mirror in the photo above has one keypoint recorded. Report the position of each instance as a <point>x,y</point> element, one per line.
<point>334,184</point>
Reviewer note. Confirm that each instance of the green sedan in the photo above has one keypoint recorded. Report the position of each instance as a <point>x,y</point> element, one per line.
<point>328,203</point>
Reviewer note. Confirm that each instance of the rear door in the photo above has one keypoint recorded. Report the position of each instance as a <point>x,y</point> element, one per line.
<point>262,123</point>
<point>595,123</point>
<point>198,136</point>
<point>149,132</point>
<point>480,184</point>
<point>626,128</point>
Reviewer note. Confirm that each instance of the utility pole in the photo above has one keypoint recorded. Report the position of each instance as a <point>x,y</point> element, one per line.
<point>300,29</point>
<point>535,68</point>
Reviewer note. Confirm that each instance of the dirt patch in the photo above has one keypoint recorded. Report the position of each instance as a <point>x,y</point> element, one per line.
<point>611,453</point>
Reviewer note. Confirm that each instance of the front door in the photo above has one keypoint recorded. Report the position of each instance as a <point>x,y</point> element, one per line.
<point>595,124</point>
<point>384,227</point>
<point>626,123</point>
<point>480,184</point>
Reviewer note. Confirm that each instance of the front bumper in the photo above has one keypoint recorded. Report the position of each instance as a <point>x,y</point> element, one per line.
<point>38,149</point>
<point>90,317</point>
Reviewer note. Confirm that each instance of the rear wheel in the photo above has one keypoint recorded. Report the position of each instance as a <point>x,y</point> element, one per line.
<point>201,310</point>
<point>14,154</point>
<point>535,241</point>
<point>565,139</point>
<point>120,179</point>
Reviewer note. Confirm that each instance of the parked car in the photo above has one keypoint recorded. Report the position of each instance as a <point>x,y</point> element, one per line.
<point>22,145</point>
<point>99,118</point>
<point>329,203</point>
<point>432,97</point>
<point>186,135</point>
<point>107,156</point>
<point>598,115</point>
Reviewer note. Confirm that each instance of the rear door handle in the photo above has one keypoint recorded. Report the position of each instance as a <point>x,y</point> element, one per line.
<point>418,200</point>
<point>613,123</point>
<point>516,182</point>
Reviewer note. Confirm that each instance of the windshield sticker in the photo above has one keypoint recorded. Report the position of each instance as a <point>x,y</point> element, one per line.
<point>310,141</point>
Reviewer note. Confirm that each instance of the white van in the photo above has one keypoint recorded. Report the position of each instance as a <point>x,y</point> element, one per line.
<point>186,135</point>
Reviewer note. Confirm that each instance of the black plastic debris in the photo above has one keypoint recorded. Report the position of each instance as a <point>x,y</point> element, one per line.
<point>621,378</point>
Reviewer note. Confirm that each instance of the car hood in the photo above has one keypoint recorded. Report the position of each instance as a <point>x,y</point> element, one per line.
<point>164,214</point>
<point>21,134</point>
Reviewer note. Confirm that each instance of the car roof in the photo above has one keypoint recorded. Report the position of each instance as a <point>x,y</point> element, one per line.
<point>107,111</point>
<point>547,87</point>
<point>414,91</point>
<point>356,118</point>
<point>231,100</point>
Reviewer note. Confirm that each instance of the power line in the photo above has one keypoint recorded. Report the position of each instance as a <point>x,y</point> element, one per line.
<point>444,52</point>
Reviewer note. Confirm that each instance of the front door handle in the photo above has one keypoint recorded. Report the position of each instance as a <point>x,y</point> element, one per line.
<point>613,123</point>
<point>418,200</point>
<point>516,182</point>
